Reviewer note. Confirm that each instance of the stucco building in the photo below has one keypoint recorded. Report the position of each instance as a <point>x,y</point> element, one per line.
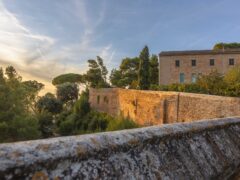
<point>186,66</point>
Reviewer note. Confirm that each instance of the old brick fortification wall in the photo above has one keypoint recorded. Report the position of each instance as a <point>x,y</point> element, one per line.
<point>156,107</point>
<point>207,149</point>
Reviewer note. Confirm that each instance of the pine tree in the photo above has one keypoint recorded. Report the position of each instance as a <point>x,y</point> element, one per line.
<point>153,70</point>
<point>143,74</point>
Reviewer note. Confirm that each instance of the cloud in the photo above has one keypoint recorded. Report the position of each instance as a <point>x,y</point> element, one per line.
<point>42,57</point>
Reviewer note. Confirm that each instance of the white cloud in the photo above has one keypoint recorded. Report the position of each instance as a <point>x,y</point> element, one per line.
<point>41,57</point>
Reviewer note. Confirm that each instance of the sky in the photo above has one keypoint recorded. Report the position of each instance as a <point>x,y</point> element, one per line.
<point>43,39</point>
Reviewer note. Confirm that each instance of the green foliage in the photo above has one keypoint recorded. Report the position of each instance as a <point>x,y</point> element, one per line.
<point>127,75</point>
<point>213,83</point>
<point>82,106</point>
<point>233,76</point>
<point>49,103</point>
<point>94,122</point>
<point>16,100</point>
<point>70,77</point>
<point>232,81</point>
<point>221,46</point>
<point>33,86</point>
<point>121,123</point>
<point>67,92</point>
<point>4,135</point>
<point>193,88</point>
<point>22,128</point>
<point>67,127</point>
<point>116,78</point>
<point>46,126</point>
<point>143,75</point>
<point>96,76</point>
<point>153,70</point>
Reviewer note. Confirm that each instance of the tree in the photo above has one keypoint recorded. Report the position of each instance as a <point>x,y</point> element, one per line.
<point>127,75</point>
<point>49,103</point>
<point>46,126</point>
<point>143,75</point>
<point>212,83</point>
<point>67,92</point>
<point>70,77</point>
<point>32,88</point>
<point>221,46</point>
<point>17,121</point>
<point>153,70</point>
<point>82,106</point>
<point>232,81</point>
<point>103,68</point>
<point>96,76</point>
<point>233,76</point>
<point>116,78</point>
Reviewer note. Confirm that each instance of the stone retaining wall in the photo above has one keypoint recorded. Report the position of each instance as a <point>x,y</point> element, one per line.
<point>207,149</point>
<point>158,107</point>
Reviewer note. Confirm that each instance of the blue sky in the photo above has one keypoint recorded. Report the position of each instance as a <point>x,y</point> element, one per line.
<point>46,38</point>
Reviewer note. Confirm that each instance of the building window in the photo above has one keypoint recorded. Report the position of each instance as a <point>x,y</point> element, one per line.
<point>98,99</point>
<point>177,63</point>
<point>181,78</point>
<point>194,78</point>
<point>193,62</point>
<point>231,61</point>
<point>211,62</point>
<point>105,99</point>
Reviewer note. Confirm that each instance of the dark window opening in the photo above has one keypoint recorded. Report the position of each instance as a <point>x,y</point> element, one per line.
<point>231,62</point>
<point>194,62</point>
<point>177,63</point>
<point>212,63</point>
<point>105,99</point>
<point>98,99</point>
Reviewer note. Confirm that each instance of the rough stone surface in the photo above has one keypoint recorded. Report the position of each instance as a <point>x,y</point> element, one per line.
<point>158,107</point>
<point>207,149</point>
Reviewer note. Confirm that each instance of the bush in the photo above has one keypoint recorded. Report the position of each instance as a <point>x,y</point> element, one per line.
<point>67,127</point>
<point>23,128</point>
<point>49,103</point>
<point>82,106</point>
<point>121,123</point>
<point>93,122</point>
<point>3,131</point>
<point>46,125</point>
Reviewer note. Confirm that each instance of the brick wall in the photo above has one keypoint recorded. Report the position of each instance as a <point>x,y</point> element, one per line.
<point>169,73</point>
<point>156,107</point>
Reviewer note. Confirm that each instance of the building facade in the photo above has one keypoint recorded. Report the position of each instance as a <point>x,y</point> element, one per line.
<point>186,66</point>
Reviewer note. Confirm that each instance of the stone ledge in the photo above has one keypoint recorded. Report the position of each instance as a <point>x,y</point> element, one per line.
<point>30,156</point>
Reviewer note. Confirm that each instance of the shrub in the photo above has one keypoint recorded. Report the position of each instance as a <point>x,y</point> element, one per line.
<point>121,123</point>
<point>3,131</point>
<point>82,106</point>
<point>46,125</point>
<point>67,127</point>
<point>93,122</point>
<point>23,128</point>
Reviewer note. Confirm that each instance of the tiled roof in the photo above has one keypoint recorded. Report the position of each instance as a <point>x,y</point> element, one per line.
<point>199,52</point>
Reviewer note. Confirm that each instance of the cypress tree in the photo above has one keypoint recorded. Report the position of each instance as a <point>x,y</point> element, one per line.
<point>143,74</point>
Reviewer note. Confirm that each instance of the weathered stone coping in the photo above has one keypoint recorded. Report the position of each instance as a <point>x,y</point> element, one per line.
<point>31,156</point>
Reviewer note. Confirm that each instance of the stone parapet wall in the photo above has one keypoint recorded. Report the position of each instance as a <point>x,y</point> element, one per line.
<point>158,107</point>
<point>207,149</point>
